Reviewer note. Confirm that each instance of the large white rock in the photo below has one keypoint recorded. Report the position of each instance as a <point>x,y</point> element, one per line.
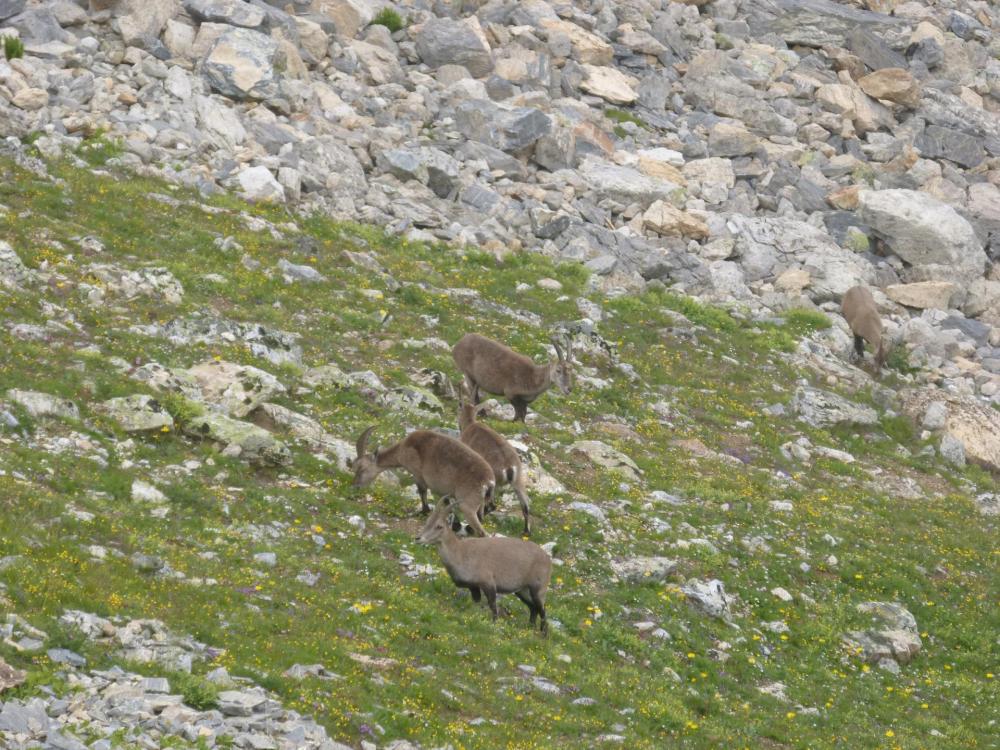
<point>923,295</point>
<point>624,183</point>
<point>258,184</point>
<point>924,231</point>
<point>234,389</point>
<point>39,404</point>
<point>240,65</point>
<point>821,408</point>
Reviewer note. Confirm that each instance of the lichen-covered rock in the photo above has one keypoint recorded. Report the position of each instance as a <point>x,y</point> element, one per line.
<point>896,642</point>
<point>39,404</point>
<point>710,598</point>
<point>820,408</point>
<point>603,455</point>
<point>235,390</point>
<point>137,413</point>
<point>156,282</point>
<point>241,439</point>
<point>13,272</point>
<point>640,569</point>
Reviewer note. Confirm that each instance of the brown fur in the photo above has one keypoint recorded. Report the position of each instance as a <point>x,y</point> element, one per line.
<point>499,370</point>
<point>498,453</point>
<point>437,462</point>
<point>496,565</point>
<point>861,314</point>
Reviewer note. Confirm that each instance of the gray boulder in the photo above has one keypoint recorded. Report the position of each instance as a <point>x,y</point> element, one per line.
<point>709,598</point>
<point>443,41</point>
<point>768,247</point>
<point>820,408</point>
<point>964,149</point>
<point>241,439</point>
<point>13,272</point>
<point>232,12</point>
<point>923,231</point>
<point>137,413</point>
<point>240,65</point>
<point>143,21</point>
<point>812,23</point>
<point>10,8</point>
<point>603,455</point>
<point>504,127</point>
<point>641,569</point>
<point>894,640</point>
<point>427,165</point>
<point>39,404</point>
<point>24,718</point>
<point>234,389</point>
<point>625,184</point>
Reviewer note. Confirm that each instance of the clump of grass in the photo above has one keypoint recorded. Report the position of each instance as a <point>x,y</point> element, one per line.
<point>802,321</point>
<point>898,361</point>
<point>99,149</point>
<point>198,692</point>
<point>13,47</point>
<point>622,116</point>
<point>182,409</point>
<point>899,428</point>
<point>389,18</point>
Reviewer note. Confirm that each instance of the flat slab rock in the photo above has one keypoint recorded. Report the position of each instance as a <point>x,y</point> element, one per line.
<point>39,404</point>
<point>820,408</point>
<point>605,456</point>
<point>639,569</point>
<point>241,439</point>
<point>139,412</point>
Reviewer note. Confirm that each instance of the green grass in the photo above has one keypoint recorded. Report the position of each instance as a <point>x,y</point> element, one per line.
<point>389,18</point>
<point>13,47</point>
<point>622,116</point>
<point>711,371</point>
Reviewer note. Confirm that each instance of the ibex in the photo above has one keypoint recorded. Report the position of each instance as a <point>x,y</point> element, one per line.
<point>858,309</point>
<point>437,462</point>
<point>498,453</point>
<point>497,565</point>
<point>499,370</point>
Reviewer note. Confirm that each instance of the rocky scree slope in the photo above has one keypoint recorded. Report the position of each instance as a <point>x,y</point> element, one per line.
<point>765,153</point>
<point>737,517</point>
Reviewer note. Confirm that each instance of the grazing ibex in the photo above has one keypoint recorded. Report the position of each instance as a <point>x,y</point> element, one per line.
<point>497,565</point>
<point>500,370</point>
<point>437,462</point>
<point>858,309</point>
<point>498,453</point>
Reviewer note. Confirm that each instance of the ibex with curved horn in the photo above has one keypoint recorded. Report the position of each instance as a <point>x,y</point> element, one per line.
<point>437,462</point>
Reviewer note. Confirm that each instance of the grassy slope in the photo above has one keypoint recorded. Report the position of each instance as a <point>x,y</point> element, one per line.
<point>454,666</point>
